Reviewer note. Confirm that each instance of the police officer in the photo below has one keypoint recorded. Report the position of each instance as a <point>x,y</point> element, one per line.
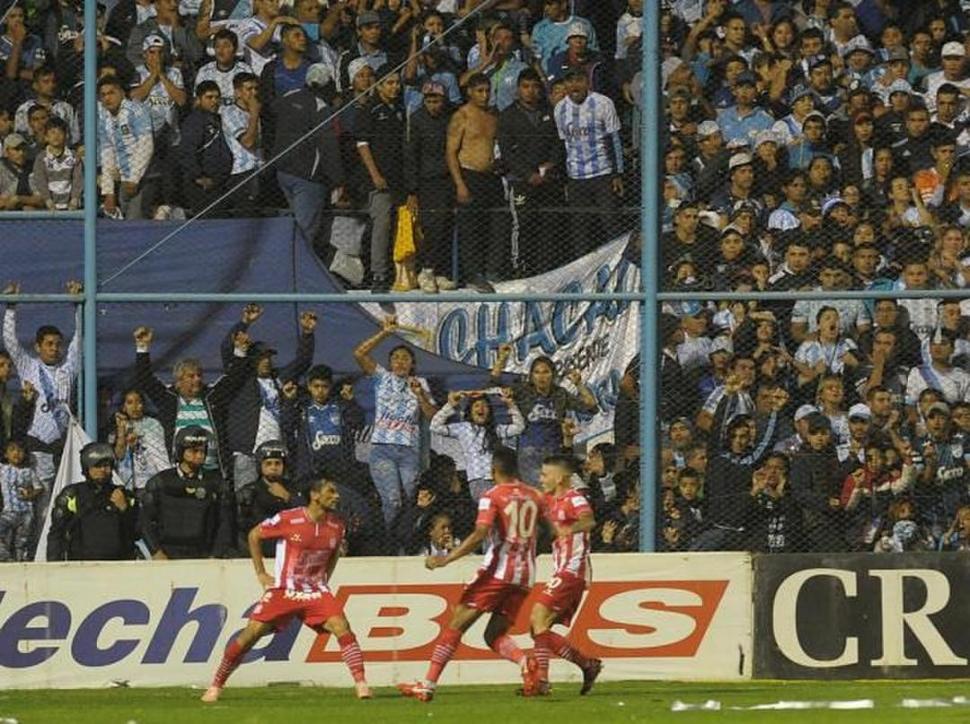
<point>95,519</point>
<point>184,509</point>
<point>271,493</point>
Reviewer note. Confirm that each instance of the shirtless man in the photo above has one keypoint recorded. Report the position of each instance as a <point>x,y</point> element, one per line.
<point>471,162</point>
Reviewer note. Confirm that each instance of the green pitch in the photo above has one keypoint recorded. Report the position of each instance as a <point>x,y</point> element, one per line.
<point>609,702</point>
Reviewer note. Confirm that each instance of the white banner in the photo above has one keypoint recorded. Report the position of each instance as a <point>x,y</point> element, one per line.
<point>597,338</point>
<point>167,623</point>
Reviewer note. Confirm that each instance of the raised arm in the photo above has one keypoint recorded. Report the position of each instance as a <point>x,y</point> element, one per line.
<point>362,353</point>
<point>305,347</point>
<point>145,379</point>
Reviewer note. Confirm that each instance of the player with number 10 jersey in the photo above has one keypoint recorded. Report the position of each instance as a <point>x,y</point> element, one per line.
<point>508,516</point>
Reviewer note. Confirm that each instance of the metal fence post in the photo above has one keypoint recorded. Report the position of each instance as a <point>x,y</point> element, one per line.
<point>89,357</point>
<point>650,240</point>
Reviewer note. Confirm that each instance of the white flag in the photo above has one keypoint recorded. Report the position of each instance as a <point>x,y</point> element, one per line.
<point>69,471</point>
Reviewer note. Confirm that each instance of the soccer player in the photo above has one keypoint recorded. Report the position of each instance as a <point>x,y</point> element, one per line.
<point>508,514</point>
<point>571,518</point>
<point>308,543</point>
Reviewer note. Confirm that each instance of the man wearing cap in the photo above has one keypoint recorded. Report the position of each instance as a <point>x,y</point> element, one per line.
<point>369,46</point>
<point>311,172</point>
<point>945,465</point>
<point>533,154</point>
<point>853,452</point>
<point>430,193</point>
<point>954,57</point>
<point>709,164</point>
<point>792,444</point>
<point>379,137</point>
<point>273,491</point>
<point>801,101</point>
<point>203,156</point>
<point>160,87</point>
<point>15,190</point>
<point>590,127</point>
<point>740,187</point>
<point>551,34</point>
<point>579,55</point>
<point>286,72</point>
<point>745,119</point>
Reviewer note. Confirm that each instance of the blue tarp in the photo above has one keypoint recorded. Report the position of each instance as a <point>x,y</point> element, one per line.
<point>252,255</point>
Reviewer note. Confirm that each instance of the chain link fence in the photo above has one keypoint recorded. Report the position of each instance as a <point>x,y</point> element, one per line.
<point>808,155</point>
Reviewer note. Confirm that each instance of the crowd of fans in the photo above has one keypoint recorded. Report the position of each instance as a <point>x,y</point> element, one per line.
<point>185,470</point>
<point>816,146</point>
<point>508,110</point>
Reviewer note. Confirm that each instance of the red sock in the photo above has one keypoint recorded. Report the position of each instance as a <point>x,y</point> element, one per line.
<point>231,659</point>
<point>443,651</point>
<point>542,655</point>
<point>505,647</point>
<point>350,653</point>
<point>561,648</point>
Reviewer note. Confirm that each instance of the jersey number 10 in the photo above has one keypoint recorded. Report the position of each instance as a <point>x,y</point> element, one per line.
<point>522,516</point>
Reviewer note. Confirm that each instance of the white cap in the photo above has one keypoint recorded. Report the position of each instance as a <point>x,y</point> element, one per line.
<point>318,74</point>
<point>860,409</point>
<point>899,86</point>
<point>722,343</point>
<point>767,136</point>
<point>577,29</point>
<point>859,42</point>
<point>740,159</point>
<point>804,411</point>
<point>953,49</point>
<point>707,128</point>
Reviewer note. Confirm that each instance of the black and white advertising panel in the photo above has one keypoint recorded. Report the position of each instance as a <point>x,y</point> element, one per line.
<point>862,616</point>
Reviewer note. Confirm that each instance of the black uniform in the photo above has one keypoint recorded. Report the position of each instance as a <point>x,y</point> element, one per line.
<point>184,517</point>
<point>528,139</point>
<point>203,152</point>
<point>426,175</point>
<point>256,504</point>
<point>87,526</point>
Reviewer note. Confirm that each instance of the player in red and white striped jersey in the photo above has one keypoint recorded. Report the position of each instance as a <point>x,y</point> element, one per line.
<point>308,544</point>
<point>508,515</point>
<point>571,518</point>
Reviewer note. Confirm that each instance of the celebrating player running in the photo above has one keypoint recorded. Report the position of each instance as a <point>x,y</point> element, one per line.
<point>571,518</point>
<point>308,544</point>
<point>508,514</point>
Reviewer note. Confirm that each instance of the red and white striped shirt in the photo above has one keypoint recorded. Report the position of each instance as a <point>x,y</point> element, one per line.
<point>511,511</point>
<point>570,555</point>
<point>303,548</point>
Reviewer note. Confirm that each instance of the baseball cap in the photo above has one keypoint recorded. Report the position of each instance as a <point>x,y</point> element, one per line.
<point>799,91</point>
<point>817,60</point>
<point>940,407</point>
<point>433,88</point>
<point>953,49</point>
<point>707,128</point>
<point>721,344</point>
<point>804,411</point>
<point>859,42</point>
<point>897,54</point>
<point>318,74</point>
<point>831,203</point>
<point>577,29</point>
<point>740,159</point>
<point>368,17</point>
<point>261,349</point>
<point>13,140</point>
<point>767,136</point>
<point>355,66</point>
<point>860,409</point>
<point>746,78</point>
<point>899,86</point>
<point>153,40</point>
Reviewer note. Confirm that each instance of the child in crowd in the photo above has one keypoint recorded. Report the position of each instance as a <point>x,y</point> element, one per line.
<point>19,486</point>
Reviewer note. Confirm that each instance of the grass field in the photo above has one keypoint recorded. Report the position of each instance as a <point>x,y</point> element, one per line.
<point>609,702</point>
